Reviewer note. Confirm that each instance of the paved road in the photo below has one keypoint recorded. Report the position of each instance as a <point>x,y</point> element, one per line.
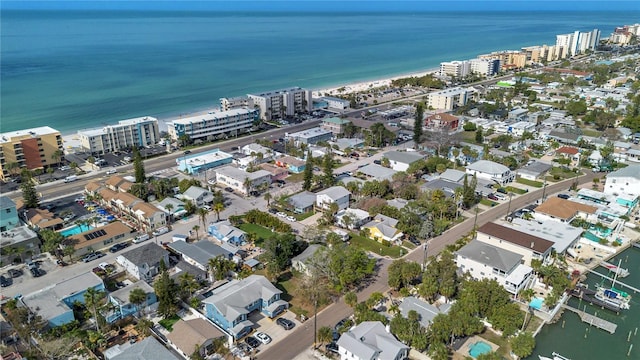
<point>302,338</point>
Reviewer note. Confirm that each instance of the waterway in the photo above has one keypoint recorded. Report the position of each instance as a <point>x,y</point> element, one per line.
<point>576,340</point>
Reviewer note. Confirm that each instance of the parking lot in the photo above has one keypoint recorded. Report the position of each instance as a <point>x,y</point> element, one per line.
<point>268,326</point>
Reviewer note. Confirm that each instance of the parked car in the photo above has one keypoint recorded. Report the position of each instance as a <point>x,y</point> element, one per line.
<point>93,256</point>
<point>251,341</point>
<point>281,214</point>
<point>285,323</point>
<point>14,273</point>
<point>4,282</point>
<point>332,347</point>
<point>564,196</point>
<point>159,231</point>
<point>106,266</point>
<point>500,196</point>
<point>291,218</point>
<point>273,211</point>
<point>228,189</point>
<point>118,247</point>
<point>492,197</point>
<point>37,272</point>
<point>502,190</point>
<point>111,171</point>
<point>141,238</point>
<point>264,338</point>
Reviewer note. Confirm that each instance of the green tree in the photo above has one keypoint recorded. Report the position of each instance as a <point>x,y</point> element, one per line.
<point>402,273</point>
<point>138,167</point>
<point>29,193</point>
<point>418,123</point>
<point>166,291</point>
<point>479,136</point>
<point>56,156</point>
<point>327,168</point>
<point>523,344</point>
<point>218,207</point>
<point>351,298</point>
<point>219,267</point>
<point>51,240</point>
<point>308,172</point>
<point>94,299</point>
<point>325,335</point>
<point>138,297</point>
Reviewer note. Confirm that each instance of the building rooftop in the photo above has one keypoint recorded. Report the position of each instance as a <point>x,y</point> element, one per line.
<point>232,298</point>
<point>309,133</point>
<point>535,168</point>
<point>488,167</point>
<point>206,157</point>
<point>629,171</point>
<point>490,255</point>
<point>302,200</point>
<point>235,173</point>
<point>128,122</point>
<point>562,235</point>
<point>147,349</point>
<point>201,253</point>
<point>278,92</point>
<point>567,150</point>
<point>33,132</point>
<point>96,236</point>
<point>426,311</point>
<point>377,172</point>
<point>212,116</point>
<point>122,295</point>
<point>370,340</point>
<point>563,209</point>
<point>336,120</point>
<point>516,237</point>
<point>149,253</point>
<point>453,175</point>
<point>307,253</point>
<point>405,157</point>
<point>6,202</point>
<point>188,335</point>
<point>334,192</point>
<point>17,235</point>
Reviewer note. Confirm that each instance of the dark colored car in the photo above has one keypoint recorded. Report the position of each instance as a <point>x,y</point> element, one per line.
<point>118,247</point>
<point>377,162</point>
<point>285,323</point>
<point>502,190</point>
<point>228,189</point>
<point>14,273</point>
<point>564,196</point>
<point>332,347</point>
<point>36,272</point>
<point>273,210</point>
<point>187,152</point>
<point>251,341</point>
<point>4,282</point>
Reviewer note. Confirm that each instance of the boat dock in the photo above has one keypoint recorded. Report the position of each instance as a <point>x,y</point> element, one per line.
<point>593,320</point>
<point>636,245</point>
<point>615,269</point>
<point>636,290</point>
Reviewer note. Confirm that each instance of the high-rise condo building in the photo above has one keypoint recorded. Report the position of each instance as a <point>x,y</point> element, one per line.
<point>237,102</point>
<point>126,134</point>
<point>280,103</point>
<point>449,99</point>
<point>457,69</point>
<point>213,125</point>
<point>486,67</point>
<point>30,148</point>
<point>577,42</point>
<point>509,59</point>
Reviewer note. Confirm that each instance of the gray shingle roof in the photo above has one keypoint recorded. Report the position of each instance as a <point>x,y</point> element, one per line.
<point>6,202</point>
<point>370,339</point>
<point>453,175</point>
<point>147,254</point>
<point>200,252</point>
<point>629,171</point>
<point>377,172</point>
<point>488,167</point>
<point>307,253</point>
<point>302,200</point>
<point>405,157</point>
<point>335,192</point>
<point>232,298</point>
<point>426,311</point>
<point>490,255</point>
<point>148,348</point>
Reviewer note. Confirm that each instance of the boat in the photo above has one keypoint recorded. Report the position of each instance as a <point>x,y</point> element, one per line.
<point>613,296</point>
<point>615,269</point>
<point>555,355</point>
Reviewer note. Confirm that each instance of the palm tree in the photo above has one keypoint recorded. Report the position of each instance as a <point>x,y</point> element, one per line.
<point>56,156</point>
<point>50,171</point>
<point>196,228</point>
<point>247,185</point>
<point>267,198</point>
<point>143,327</point>
<point>325,335</point>
<point>169,207</point>
<point>218,207</point>
<point>202,214</point>
<point>93,299</point>
<point>187,283</point>
<point>138,297</point>
<point>219,267</point>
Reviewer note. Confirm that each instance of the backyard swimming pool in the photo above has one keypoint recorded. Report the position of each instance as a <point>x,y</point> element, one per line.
<point>479,348</point>
<point>536,303</point>
<point>76,229</point>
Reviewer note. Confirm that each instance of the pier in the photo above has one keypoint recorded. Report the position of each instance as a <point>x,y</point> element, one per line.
<point>636,245</point>
<point>593,320</point>
<point>636,290</point>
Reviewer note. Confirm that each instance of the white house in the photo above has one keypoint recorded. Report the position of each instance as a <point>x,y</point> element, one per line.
<point>624,181</point>
<point>400,160</point>
<point>357,218</point>
<point>198,195</point>
<point>229,176</point>
<point>299,262</point>
<point>485,261</point>
<point>489,170</point>
<point>143,262</point>
<point>336,194</point>
<point>529,246</point>
<point>370,340</point>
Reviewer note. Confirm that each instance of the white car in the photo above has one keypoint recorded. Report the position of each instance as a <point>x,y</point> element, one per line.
<point>291,218</point>
<point>264,338</point>
<point>281,214</point>
<point>111,171</point>
<point>500,196</point>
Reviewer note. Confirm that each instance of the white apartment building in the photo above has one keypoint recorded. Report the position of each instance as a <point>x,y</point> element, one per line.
<point>486,67</point>
<point>457,69</point>
<point>625,181</point>
<point>237,102</point>
<point>139,132</point>
<point>280,103</point>
<point>449,99</point>
<point>238,180</point>
<point>213,124</point>
<point>577,42</point>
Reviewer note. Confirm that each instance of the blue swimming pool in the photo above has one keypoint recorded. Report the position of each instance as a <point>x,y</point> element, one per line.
<point>536,303</point>
<point>479,348</point>
<point>76,229</point>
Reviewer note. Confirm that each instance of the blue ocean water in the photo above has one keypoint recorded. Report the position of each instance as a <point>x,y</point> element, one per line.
<point>80,69</point>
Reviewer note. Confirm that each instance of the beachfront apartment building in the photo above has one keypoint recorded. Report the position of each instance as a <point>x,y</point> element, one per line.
<point>126,134</point>
<point>213,125</point>
<point>278,104</point>
<point>577,42</point>
<point>542,53</point>
<point>237,102</point>
<point>509,59</point>
<point>30,148</point>
<point>485,67</point>
<point>449,99</point>
<point>458,69</point>
<point>309,136</point>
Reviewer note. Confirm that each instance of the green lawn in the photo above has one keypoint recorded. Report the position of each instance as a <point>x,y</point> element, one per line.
<point>488,202</point>
<point>557,174</point>
<point>591,132</point>
<point>168,322</point>
<point>408,245</point>
<point>528,182</point>
<point>516,190</point>
<point>303,216</point>
<point>260,231</point>
<point>295,177</point>
<point>376,247</point>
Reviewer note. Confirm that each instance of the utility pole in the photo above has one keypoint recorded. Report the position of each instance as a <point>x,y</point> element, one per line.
<point>424,256</point>
<point>475,220</point>
<point>544,189</point>
<point>509,208</point>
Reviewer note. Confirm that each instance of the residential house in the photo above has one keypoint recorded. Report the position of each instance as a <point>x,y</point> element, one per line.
<point>148,215</point>
<point>564,137</point>
<point>561,210</point>
<point>229,305</point>
<point>518,114</point>
<point>376,172</point>
<point>18,243</point>
<point>356,217</point>
<point>534,171</point>
<point>254,149</point>
<point>562,235</point>
<point>299,262</point>
<point>199,253</point>
<point>184,267</point>
<point>348,143</point>
<point>123,307</point>
<point>147,349</point>
<point>242,181</point>
<point>277,173</point>
<point>41,219</point>
<point>309,136</point>
<point>400,160</point>
<point>485,261</point>
<point>302,202</point>
<point>569,152</point>
<point>225,232</point>
<point>398,203</point>
<point>189,336</point>
<point>625,181</point>
<point>199,196</point>
<point>203,161</point>
<point>518,129</point>
<point>529,246</point>
<point>383,228</point>
<point>334,124</point>
<point>143,263</point>
<point>489,170</point>
<point>453,175</point>
<point>54,302</point>
<point>100,237</point>
<point>426,311</point>
<point>448,187</point>
<point>9,218</point>
<point>370,340</point>
<point>334,194</point>
<point>117,183</point>
<point>294,165</point>
<point>442,121</point>
<point>177,207</point>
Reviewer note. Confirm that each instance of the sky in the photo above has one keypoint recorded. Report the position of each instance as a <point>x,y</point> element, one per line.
<point>332,5</point>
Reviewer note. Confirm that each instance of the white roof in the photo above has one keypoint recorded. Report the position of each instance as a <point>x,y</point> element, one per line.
<point>217,115</point>
<point>488,167</point>
<point>240,175</point>
<point>335,192</point>
<point>39,131</point>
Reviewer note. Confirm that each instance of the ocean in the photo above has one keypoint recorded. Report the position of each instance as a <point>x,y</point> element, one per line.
<point>81,69</point>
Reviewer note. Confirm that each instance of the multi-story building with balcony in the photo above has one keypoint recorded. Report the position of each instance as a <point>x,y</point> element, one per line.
<point>278,104</point>
<point>237,102</point>
<point>126,134</point>
<point>449,99</point>
<point>457,69</point>
<point>214,125</point>
<point>577,42</point>
<point>486,67</point>
<point>30,148</point>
